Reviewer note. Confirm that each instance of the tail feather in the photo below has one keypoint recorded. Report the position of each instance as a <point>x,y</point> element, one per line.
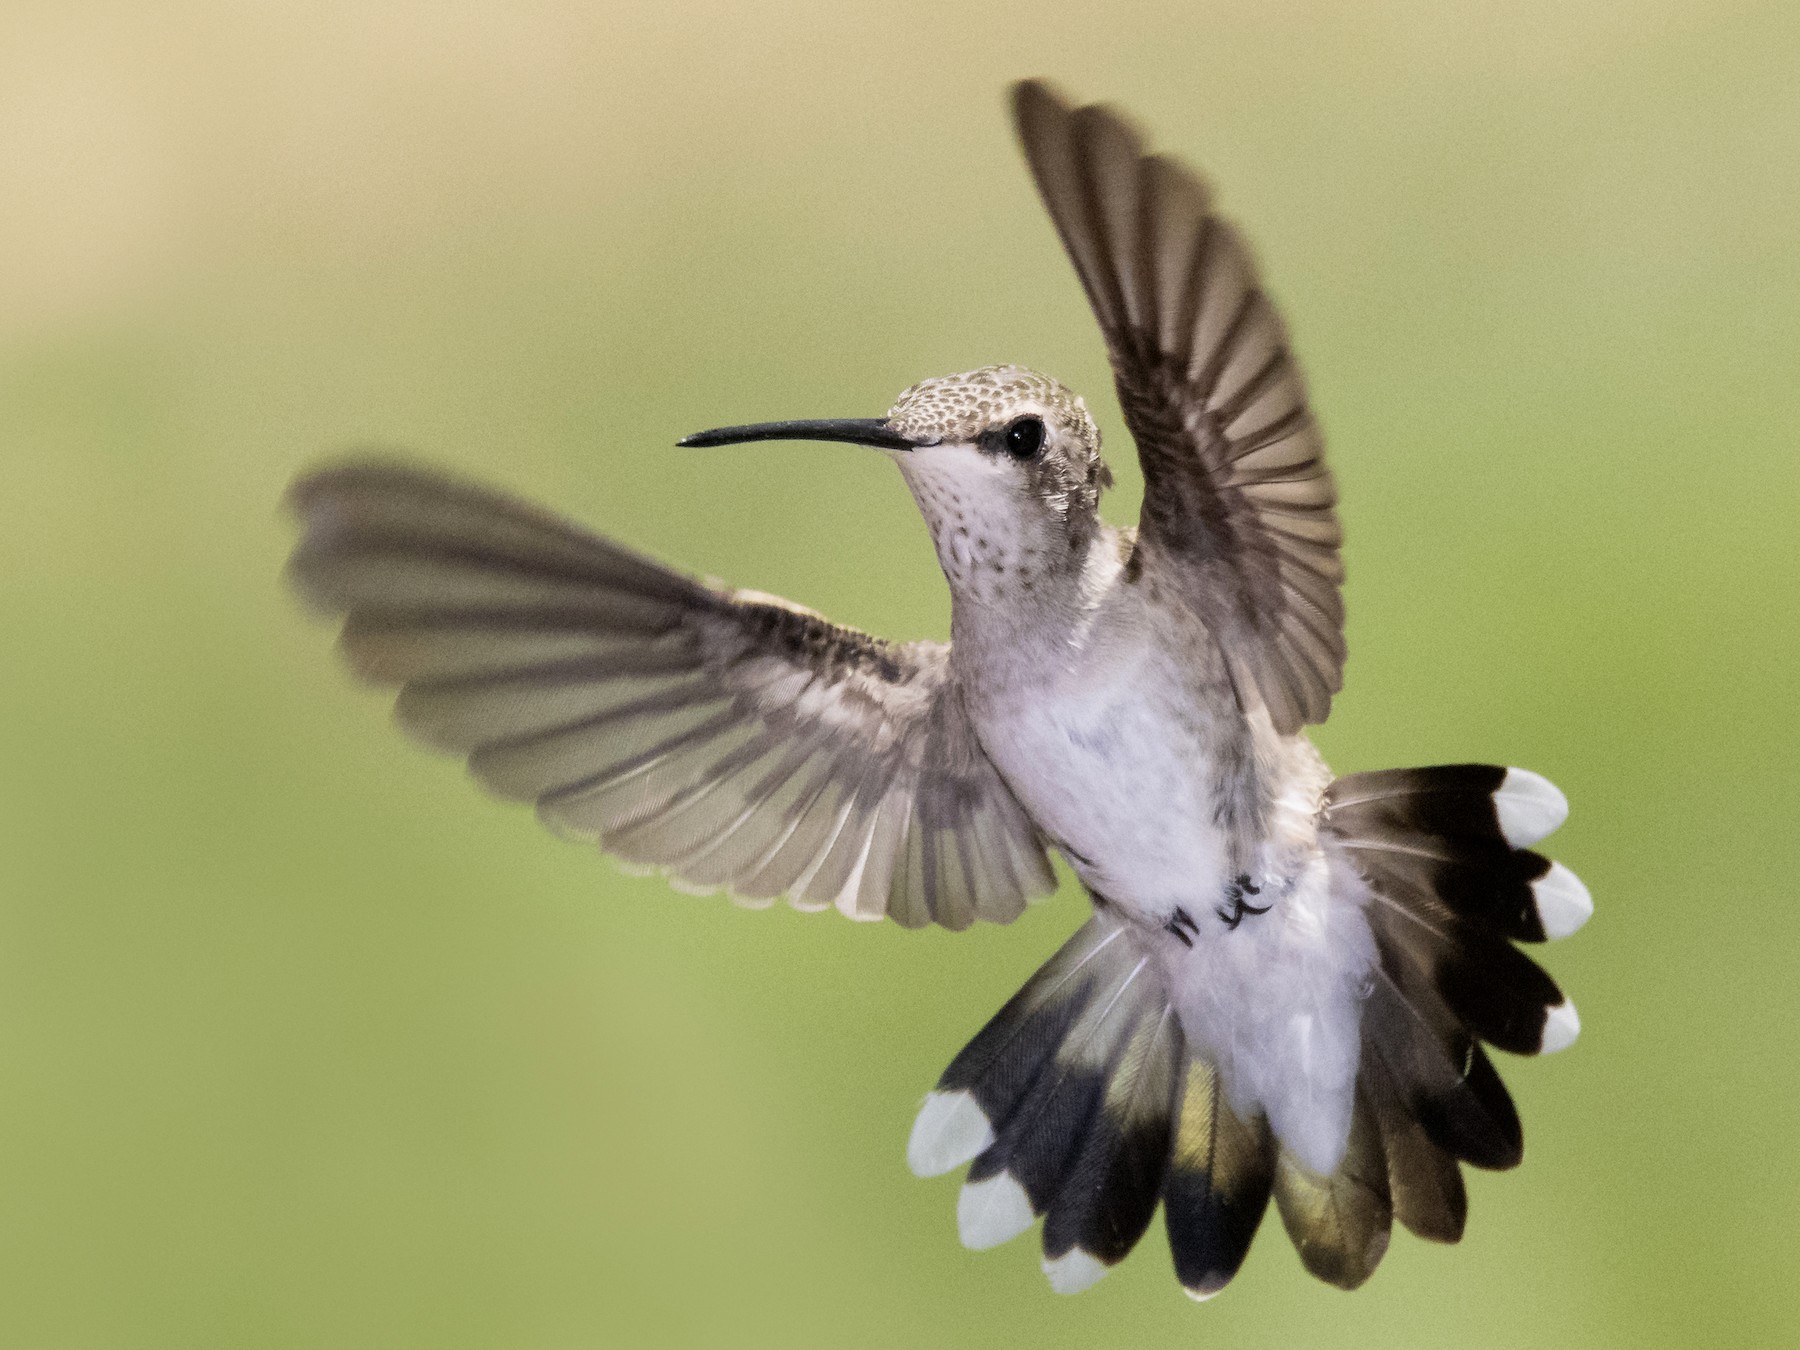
<point>1063,1104</point>
<point>1083,1101</point>
<point>985,1082</point>
<point>1451,887</point>
<point>1109,1195</point>
<point>1038,1144</point>
<point>1445,1078</point>
<point>1501,995</point>
<point>1453,840</point>
<point>1340,1224</point>
<point>1221,1171</point>
<point>1424,1182</point>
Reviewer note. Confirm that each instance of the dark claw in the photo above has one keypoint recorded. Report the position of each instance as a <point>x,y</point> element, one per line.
<point>1235,893</point>
<point>1182,925</point>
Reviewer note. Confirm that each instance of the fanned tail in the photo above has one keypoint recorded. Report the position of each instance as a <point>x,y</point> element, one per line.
<point>1083,1103</point>
<point>1452,886</point>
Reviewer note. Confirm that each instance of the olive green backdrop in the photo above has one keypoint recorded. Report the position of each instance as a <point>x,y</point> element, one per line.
<point>305,1043</point>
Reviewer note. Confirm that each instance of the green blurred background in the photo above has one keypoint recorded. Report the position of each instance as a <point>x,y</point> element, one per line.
<point>304,1043</point>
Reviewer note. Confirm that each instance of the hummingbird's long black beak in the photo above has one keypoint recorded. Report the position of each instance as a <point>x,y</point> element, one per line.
<point>856,430</point>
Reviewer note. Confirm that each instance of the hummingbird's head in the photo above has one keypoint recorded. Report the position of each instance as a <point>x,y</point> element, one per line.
<point>1004,464</point>
<point>1003,433</point>
<point>1006,469</point>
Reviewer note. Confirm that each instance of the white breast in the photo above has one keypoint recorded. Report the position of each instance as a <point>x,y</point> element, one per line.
<point>1116,767</point>
<point>1120,767</point>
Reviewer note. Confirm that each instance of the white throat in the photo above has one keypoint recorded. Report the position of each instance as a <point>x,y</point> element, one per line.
<point>999,546</point>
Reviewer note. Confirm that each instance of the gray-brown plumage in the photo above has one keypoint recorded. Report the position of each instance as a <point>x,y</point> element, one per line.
<point>1239,509</point>
<point>736,740</point>
<point>1287,982</point>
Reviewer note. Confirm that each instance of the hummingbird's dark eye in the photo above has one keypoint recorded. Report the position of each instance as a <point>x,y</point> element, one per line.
<point>1024,438</point>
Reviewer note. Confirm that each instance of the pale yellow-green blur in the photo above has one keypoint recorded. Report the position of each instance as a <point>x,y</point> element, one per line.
<point>303,1043</point>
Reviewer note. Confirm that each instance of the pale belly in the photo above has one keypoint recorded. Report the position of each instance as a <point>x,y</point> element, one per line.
<point>1126,785</point>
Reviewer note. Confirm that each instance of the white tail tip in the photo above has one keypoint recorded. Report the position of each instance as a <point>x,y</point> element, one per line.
<point>1563,903</point>
<point>1530,807</point>
<point>1561,1026</point>
<point>1074,1271</point>
<point>950,1130</point>
<point>991,1212</point>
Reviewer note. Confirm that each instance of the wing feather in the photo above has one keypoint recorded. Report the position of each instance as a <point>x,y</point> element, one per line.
<point>732,739</point>
<point>1239,510</point>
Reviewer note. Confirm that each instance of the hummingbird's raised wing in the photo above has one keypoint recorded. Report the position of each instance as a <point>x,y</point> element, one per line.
<point>1239,508</point>
<point>734,739</point>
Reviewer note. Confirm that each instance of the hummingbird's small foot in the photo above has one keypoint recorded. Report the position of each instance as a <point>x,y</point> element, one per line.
<point>1182,925</point>
<point>1235,893</point>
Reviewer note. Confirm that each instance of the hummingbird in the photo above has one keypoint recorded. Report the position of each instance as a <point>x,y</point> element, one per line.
<point>1286,983</point>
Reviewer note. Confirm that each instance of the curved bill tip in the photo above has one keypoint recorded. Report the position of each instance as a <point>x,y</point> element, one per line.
<point>854,430</point>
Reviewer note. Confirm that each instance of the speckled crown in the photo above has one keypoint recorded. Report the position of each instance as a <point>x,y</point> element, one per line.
<point>1069,476</point>
<point>960,407</point>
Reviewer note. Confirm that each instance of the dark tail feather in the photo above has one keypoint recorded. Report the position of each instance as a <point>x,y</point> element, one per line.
<point>1444,1076</point>
<point>1340,1224</point>
<point>1064,1104</point>
<point>1106,1201</point>
<point>1424,1182</point>
<point>979,1091</point>
<point>1452,888</point>
<point>1454,842</point>
<point>1220,1173</point>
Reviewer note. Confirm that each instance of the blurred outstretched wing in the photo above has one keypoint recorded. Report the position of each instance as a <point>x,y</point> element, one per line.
<point>734,739</point>
<point>1239,509</point>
